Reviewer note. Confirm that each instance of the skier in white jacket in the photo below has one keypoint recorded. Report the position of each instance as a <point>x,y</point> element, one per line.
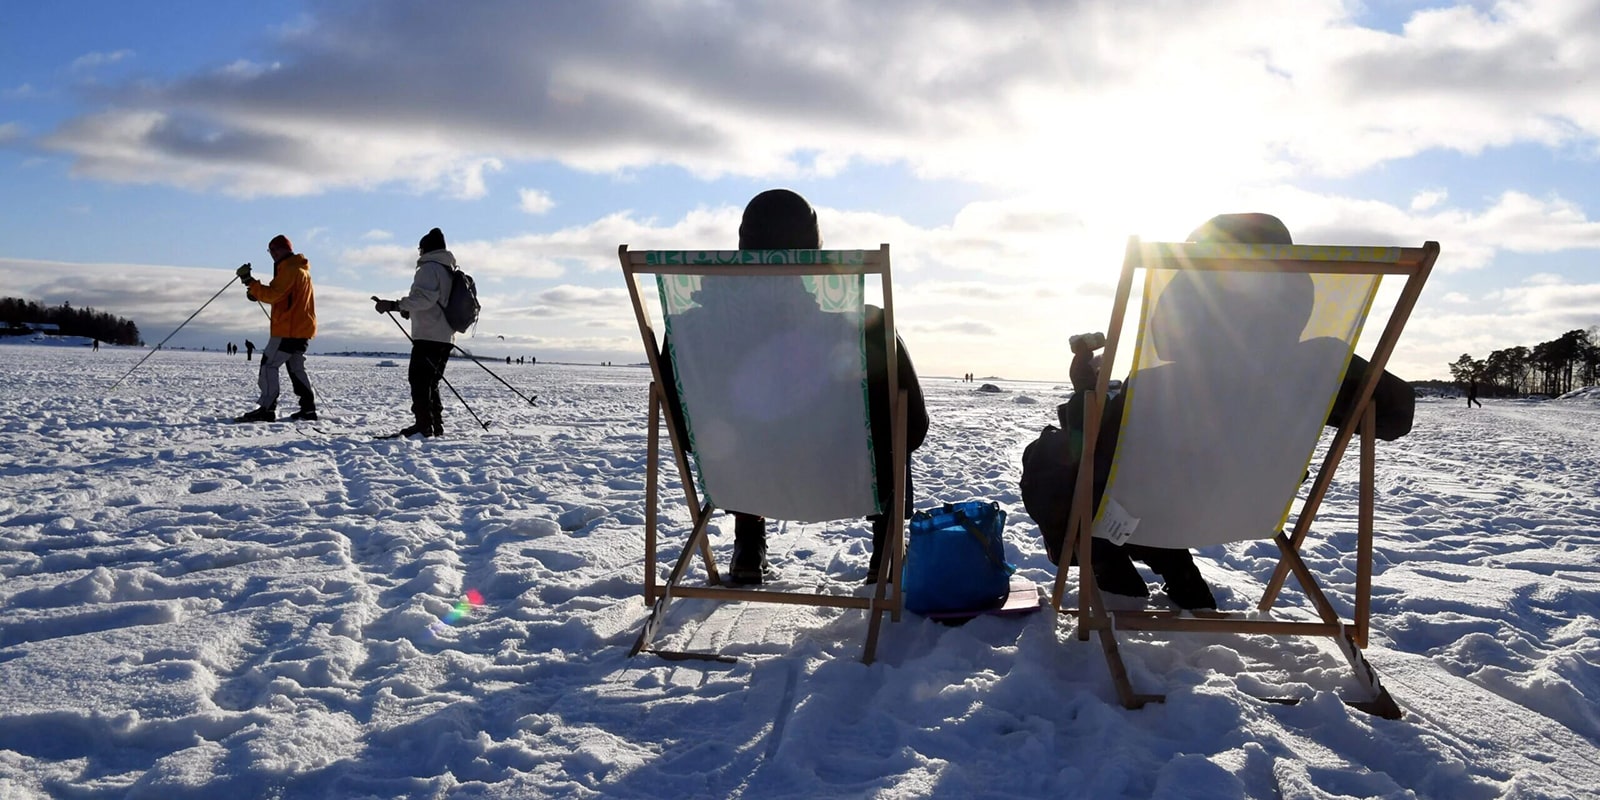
<point>431,335</point>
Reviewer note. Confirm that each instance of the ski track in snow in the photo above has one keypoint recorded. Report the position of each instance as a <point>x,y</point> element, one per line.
<point>197,609</point>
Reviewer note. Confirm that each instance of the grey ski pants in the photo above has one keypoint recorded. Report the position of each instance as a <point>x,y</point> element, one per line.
<point>279,352</point>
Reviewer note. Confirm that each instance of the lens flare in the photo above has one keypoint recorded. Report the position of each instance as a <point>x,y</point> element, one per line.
<point>462,608</point>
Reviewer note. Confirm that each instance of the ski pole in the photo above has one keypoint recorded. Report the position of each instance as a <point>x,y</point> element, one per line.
<point>174,333</point>
<point>496,377</point>
<point>441,377</point>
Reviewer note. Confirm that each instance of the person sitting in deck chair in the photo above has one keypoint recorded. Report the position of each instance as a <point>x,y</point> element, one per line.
<point>1269,352</point>
<point>779,219</point>
<point>1179,321</point>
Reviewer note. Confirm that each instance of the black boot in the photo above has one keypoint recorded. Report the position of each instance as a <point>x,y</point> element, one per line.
<point>263,414</point>
<point>749,549</point>
<point>415,429</point>
<point>1114,571</point>
<point>1182,580</point>
<point>304,415</point>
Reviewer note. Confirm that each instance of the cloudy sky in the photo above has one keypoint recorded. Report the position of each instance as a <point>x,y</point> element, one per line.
<point>1004,149</point>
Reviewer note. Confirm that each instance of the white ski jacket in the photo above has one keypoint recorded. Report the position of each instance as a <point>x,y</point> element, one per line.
<point>430,290</point>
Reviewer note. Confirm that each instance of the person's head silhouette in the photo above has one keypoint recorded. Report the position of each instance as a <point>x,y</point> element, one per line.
<point>1242,311</point>
<point>779,219</point>
<point>776,219</point>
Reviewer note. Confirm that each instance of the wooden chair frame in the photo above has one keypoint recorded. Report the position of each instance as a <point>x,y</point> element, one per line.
<point>886,597</point>
<point>1092,614</point>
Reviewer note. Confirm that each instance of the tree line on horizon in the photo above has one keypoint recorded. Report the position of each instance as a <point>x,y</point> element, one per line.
<point>17,312</point>
<point>1549,368</point>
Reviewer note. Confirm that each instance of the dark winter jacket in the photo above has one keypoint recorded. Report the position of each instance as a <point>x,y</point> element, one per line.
<point>1394,401</point>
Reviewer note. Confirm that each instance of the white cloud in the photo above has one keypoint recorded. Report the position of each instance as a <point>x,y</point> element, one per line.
<point>278,157</point>
<point>997,291</point>
<point>245,69</point>
<point>10,132</point>
<point>1228,95</point>
<point>91,61</point>
<point>1045,273</point>
<point>534,201</point>
<point>1078,123</point>
<point>1423,201</point>
<point>1514,222</point>
<point>1526,315</point>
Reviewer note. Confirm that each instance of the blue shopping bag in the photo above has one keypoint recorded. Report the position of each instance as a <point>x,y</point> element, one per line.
<point>956,559</point>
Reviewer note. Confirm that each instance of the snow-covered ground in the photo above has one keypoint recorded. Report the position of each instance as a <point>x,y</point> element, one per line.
<point>192,609</point>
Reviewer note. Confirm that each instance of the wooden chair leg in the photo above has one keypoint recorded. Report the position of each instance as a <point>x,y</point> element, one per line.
<point>1382,704</point>
<point>1119,673</point>
<point>652,497</point>
<point>658,611</point>
<point>869,653</point>
<point>1363,603</point>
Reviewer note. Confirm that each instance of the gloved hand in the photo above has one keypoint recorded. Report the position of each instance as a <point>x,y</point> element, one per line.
<point>1086,342</point>
<point>244,273</point>
<point>386,306</point>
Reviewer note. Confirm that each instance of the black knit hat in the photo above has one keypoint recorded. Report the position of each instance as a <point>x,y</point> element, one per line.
<point>1243,229</point>
<point>433,240</point>
<point>779,219</point>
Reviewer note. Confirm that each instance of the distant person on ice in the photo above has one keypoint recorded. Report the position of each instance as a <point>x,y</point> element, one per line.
<point>249,349</point>
<point>431,334</point>
<point>294,322</point>
<point>1472,393</point>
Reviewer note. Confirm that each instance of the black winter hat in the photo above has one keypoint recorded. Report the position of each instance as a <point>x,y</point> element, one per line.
<point>433,240</point>
<point>779,219</point>
<point>1243,229</point>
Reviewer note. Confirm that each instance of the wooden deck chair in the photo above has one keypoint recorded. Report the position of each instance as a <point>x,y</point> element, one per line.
<point>768,360</point>
<point>1240,353</point>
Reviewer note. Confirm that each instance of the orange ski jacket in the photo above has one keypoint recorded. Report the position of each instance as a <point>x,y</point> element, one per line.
<point>294,304</point>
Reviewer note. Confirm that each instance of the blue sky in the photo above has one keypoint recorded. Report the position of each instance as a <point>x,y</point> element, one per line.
<point>1005,150</point>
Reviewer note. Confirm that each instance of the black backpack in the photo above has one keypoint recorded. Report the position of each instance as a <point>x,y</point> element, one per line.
<point>461,309</point>
<point>1049,473</point>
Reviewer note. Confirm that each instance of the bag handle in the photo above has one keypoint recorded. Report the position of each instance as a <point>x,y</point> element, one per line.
<point>977,535</point>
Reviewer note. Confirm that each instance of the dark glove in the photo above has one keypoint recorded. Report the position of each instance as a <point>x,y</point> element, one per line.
<point>404,314</point>
<point>1086,342</point>
<point>244,273</point>
<point>386,306</point>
